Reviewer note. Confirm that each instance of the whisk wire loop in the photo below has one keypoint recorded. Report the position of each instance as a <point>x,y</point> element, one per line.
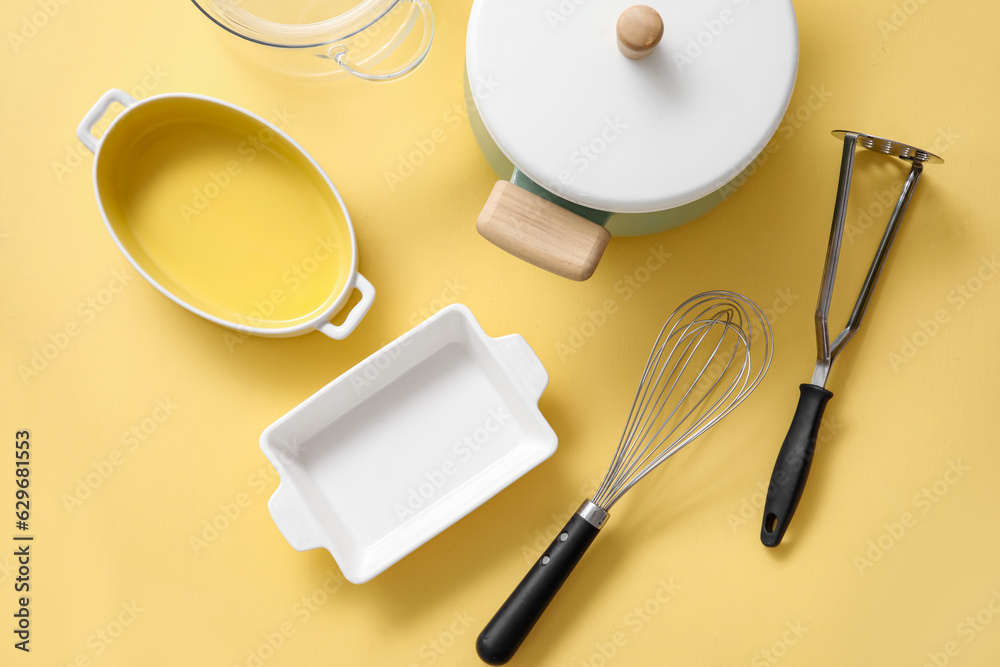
<point>702,365</point>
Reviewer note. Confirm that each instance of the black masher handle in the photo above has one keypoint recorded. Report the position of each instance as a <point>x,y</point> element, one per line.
<point>792,467</point>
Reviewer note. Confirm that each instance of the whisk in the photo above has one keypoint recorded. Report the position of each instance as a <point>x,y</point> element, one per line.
<point>709,355</point>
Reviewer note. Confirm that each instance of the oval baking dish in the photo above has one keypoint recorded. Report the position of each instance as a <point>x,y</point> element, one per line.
<point>225,214</point>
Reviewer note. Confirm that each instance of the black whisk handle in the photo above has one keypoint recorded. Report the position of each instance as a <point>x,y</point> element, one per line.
<point>792,467</point>
<point>511,624</point>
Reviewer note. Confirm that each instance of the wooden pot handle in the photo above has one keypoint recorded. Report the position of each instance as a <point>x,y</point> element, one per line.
<point>541,232</point>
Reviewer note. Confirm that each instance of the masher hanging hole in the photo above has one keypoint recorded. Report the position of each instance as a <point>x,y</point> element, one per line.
<point>770,522</point>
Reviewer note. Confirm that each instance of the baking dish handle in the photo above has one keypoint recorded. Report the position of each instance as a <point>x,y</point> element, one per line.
<point>85,130</point>
<point>342,331</point>
<point>286,510</point>
<point>526,364</point>
<point>339,53</point>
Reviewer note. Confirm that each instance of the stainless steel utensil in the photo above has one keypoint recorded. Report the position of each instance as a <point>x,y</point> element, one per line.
<point>795,458</point>
<point>709,355</point>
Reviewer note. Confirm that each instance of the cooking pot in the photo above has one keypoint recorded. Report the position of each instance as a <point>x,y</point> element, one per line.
<point>225,214</point>
<point>604,119</point>
<point>367,39</point>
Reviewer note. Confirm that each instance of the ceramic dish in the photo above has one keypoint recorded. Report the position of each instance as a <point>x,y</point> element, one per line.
<point>407,442</point>
<point>226,215</point>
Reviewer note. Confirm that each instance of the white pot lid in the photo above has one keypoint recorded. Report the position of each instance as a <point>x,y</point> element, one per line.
<point>601,130</point>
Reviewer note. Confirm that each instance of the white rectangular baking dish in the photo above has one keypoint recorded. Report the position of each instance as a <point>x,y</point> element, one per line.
<point>408,442</point>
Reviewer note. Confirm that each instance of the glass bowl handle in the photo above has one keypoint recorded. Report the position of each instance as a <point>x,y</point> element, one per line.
<point>340,53</point>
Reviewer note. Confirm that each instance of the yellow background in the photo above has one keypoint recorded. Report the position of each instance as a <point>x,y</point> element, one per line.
<point>893,428</point>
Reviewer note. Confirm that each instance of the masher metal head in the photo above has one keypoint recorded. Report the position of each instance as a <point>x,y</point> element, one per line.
<point>827,351</point>
<point>795,458</point>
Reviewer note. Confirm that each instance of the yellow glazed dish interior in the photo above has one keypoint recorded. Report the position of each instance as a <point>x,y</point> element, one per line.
<point>224,213</point>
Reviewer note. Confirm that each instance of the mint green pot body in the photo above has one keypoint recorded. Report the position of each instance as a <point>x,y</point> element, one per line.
<point>618,224</point>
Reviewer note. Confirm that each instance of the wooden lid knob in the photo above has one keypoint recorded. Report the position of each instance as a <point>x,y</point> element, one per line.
<point>639,31</point>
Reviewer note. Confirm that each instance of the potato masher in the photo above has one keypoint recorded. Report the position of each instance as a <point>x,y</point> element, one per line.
<point>792,467</point>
